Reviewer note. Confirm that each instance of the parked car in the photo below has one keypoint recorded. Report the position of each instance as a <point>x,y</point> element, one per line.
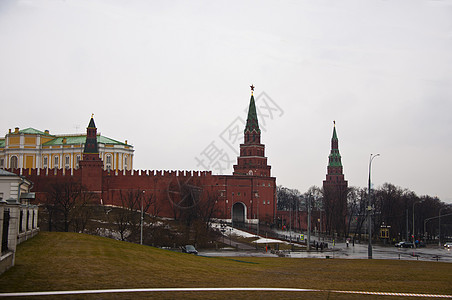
<point>190,249</point>
<point>448,245</point>
<point>404,245</point>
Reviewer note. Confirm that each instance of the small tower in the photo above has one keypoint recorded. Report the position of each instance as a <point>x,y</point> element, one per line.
<point>91,165</point>
<point>91,140</point>
<point>252,160</point>
<point>335,190</point>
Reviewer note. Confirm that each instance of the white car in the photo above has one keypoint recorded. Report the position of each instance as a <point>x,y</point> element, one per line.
<point>448,245</point>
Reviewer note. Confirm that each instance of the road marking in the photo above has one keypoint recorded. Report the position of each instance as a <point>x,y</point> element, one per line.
<point>233,289</point>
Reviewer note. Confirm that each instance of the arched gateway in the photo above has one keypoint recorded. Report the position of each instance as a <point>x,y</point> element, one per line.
<point>238,214</point>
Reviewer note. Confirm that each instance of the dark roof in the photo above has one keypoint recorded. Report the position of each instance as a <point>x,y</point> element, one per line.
<point>91,123</point>
<point>251,122</point>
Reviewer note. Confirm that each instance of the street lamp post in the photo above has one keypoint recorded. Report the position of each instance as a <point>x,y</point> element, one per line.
<point>141,222</point>
<point>414,244</point>
<point>439,227</point>
<point>309,223</point>
<point>257,196</point>
<point>232,211</point>
<point>369,208</point>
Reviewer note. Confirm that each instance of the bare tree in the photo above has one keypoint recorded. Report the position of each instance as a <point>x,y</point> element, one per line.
<point>128,218</point>
<point>66,202</point>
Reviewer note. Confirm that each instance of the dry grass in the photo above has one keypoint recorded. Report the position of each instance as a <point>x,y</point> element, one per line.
<point>70,261</point>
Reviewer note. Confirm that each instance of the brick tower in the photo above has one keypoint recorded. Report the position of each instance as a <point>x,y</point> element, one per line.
<point>335,190</point>
<point>252,160</point>
<point>91,164</point>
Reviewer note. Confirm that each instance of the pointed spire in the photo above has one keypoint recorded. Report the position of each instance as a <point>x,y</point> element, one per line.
<point>334,159</point>
<point>91,122</point>
<point>251,122</point>
<point>91,137</point>
<point>334,131</point>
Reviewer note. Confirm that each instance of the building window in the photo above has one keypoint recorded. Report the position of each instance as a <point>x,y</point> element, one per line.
<point>45,162</point>
<point>67,162</point>
<point>126,163</point>
<point>56,161</point>
<point>13,164</point>
<point>77,161</point>
<point>2,163</point>
<point>108,162</point>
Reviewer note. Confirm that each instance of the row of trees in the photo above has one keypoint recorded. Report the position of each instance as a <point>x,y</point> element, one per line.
<point>400,210</point>
<point>67,206</point>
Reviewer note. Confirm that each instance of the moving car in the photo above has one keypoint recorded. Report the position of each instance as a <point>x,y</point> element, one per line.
<point>448,245</point>
<point>190,249</point>
<point>404,245</point>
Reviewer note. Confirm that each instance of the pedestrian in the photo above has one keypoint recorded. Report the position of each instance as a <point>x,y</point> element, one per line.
<point>346,242</point>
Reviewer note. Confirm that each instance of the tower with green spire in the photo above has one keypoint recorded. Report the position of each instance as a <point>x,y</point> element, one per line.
<point>334,159</point>
<point>335,190</point>
<point>252,160</point>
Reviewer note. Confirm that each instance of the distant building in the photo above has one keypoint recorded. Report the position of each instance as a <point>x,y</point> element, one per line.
<point>335,191</point>
<point>33,149</point>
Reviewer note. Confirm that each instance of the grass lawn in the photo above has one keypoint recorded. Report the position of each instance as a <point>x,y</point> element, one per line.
<point>71,261</point>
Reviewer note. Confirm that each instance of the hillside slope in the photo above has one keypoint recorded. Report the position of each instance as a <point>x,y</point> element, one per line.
<point>71,261</point>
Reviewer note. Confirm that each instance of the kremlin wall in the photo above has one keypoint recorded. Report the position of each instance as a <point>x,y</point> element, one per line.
<point>246,196</point>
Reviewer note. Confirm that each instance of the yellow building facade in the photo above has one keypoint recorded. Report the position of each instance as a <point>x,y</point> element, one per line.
<point>34,149</point>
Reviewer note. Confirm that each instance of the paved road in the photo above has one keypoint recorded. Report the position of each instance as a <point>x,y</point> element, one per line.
<point>359,251</point>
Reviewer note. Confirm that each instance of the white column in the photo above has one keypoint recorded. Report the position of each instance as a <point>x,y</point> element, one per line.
<point>2,213</point>
<point>13,231</point>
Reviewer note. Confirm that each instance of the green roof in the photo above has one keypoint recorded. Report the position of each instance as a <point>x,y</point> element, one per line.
<point>334,134</point>
<point>334,158</point>
<point>32,131</point>
<point>81,139</point>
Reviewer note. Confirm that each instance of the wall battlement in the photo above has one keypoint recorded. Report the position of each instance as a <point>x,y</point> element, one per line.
<point>123,173</point>
<point>158,173</point>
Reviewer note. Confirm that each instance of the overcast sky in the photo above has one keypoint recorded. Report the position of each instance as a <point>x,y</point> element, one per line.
<point>173,77</point>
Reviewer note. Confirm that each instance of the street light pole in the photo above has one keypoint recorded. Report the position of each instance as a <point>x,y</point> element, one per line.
<point>369,208</point>
<point>414,244</point>
<point>232,211</point>
<point>141,222</point>
<point>439,227</point>
<point>309,223</point>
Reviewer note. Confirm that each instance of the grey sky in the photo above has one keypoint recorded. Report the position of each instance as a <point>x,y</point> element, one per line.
<point>171,76</point>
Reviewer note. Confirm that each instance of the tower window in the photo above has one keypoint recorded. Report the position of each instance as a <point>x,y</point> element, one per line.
<point>67,162</point>
<point>77,161</point>
<point>56,161</point>
<point>108,162</point>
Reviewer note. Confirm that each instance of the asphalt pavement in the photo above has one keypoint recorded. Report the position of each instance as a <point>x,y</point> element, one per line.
<point>340,250</point>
